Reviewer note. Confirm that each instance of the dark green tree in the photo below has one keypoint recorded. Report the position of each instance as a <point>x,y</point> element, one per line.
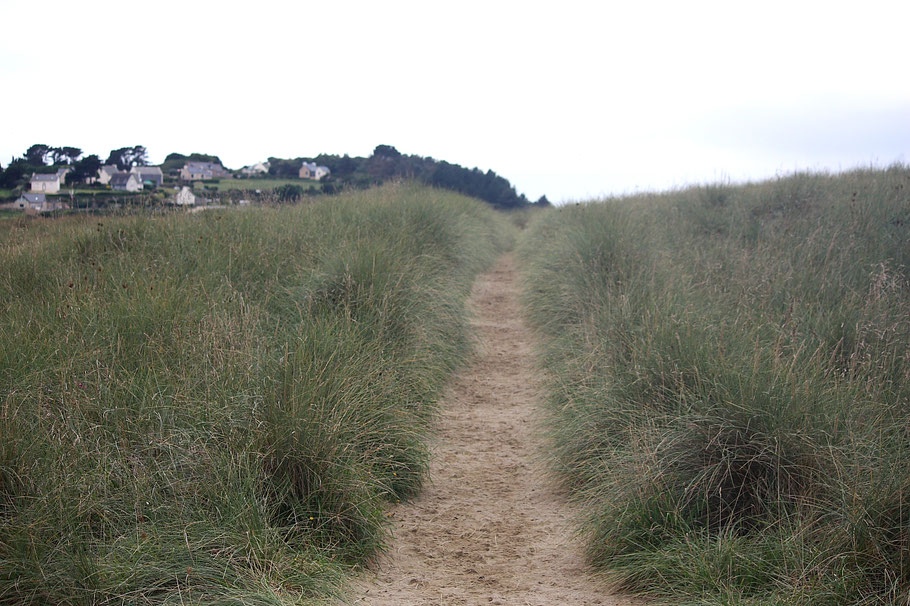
<point>386,151</point>
<point>127,157</point>
<point>15,174</point>
<point>84,169</point>
<point>70,154</point>
<point>37,154</point>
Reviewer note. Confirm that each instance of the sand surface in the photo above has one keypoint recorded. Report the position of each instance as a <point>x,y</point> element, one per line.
<point>488,528</point>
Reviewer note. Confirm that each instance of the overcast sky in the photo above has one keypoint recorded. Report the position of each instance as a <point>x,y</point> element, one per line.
<point>568,99</point>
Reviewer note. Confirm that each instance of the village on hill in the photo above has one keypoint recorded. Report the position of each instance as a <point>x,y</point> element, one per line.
<point>49,180</point>
<point>34,186</point>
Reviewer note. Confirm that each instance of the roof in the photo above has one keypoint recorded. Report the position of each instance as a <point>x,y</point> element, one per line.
<point>146,170</point>
<point>110,168</point>
<point>201,166</point>
<point>45,177</point>
<point>63,171</point>
<point>121,178</point>
<point>34,198</point>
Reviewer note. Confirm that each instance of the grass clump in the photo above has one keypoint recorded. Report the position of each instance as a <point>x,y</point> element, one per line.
<point>215,408</point>
<point>731,383</point>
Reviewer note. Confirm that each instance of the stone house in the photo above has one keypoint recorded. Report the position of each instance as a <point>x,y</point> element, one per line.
<point>107,171</point>
<point>47,184</point>
<point>202,171</point>
<point>33,204</point>
<point>126,182</point>
<point>151,174</point>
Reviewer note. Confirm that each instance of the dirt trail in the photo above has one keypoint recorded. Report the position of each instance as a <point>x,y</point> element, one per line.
<point>488,527</point>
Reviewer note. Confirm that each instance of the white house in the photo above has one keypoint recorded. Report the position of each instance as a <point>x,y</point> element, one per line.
<point>107,171</point>
<point>260,168</point>
<point>126,182</point>
<point>185,197</point>
<point>309,170</point>
<point>152,174</point>
<point>48,184</point>
<point>62,172</point>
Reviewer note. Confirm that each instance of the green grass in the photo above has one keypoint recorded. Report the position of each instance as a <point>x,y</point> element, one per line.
<point>731,386</point>
<point>216,408</point>
<point>266,185</point>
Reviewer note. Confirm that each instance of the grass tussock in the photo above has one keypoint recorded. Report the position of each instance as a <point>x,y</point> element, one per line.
<point>731,386</point>
<point>214,408</point>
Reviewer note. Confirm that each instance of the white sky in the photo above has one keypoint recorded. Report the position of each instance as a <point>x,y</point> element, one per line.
<point>568,99</point>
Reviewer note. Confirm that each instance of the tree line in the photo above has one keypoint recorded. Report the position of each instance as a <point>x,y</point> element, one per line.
<point>387,163</point>
<point>41,158</point>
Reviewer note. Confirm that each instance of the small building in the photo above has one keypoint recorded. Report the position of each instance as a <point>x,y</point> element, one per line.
<point>47,184</point>
<point>203,171</point>
<point>126,182</point>
<point>149,175</point>
<point>185,197</point>
<point>260,168</point>
<point>33,204</point>
<point>26,201</point>
<point>107,171</point>
<point>309,170</point>
<point>61,174</point>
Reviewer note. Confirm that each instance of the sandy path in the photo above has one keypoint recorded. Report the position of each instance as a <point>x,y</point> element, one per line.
<point>487,528</point>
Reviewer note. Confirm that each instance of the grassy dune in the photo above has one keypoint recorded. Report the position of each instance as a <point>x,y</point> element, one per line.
<point>215,408</point>
<point>731,386</point>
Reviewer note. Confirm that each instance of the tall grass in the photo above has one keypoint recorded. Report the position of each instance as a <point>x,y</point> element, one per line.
<point>731,385</point>
<point>214,408</point>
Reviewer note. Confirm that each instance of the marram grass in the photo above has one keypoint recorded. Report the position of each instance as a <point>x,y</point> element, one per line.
<point>731,386</point>
<point>215,408</point>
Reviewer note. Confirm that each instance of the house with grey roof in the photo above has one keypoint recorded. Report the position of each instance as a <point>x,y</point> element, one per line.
<point>107,171</point>
<point>62,172</point>
<point>26,201</point>
<point>48,184</point>
<point>201,171</point>
<point>149,175</point>
<point>33,204</point>
<point>126,182</point>
<point>309,170</point>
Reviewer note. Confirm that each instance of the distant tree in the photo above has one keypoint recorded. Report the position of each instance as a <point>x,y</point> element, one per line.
<point>70,154</point>
<point>140,156</point>
<point>281,167</point>
<point>386,151</point>
<point>542,201</point>
<point>127,157</point>
<point>16,173</point>
<point>84,169</point>
<point>37,154</point>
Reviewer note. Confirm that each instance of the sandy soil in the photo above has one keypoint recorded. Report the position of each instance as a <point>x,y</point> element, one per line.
<point>488,528</point>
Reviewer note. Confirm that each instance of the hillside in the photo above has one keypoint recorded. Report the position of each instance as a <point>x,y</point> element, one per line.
<point>730,387</point>
<point>217,407</point>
